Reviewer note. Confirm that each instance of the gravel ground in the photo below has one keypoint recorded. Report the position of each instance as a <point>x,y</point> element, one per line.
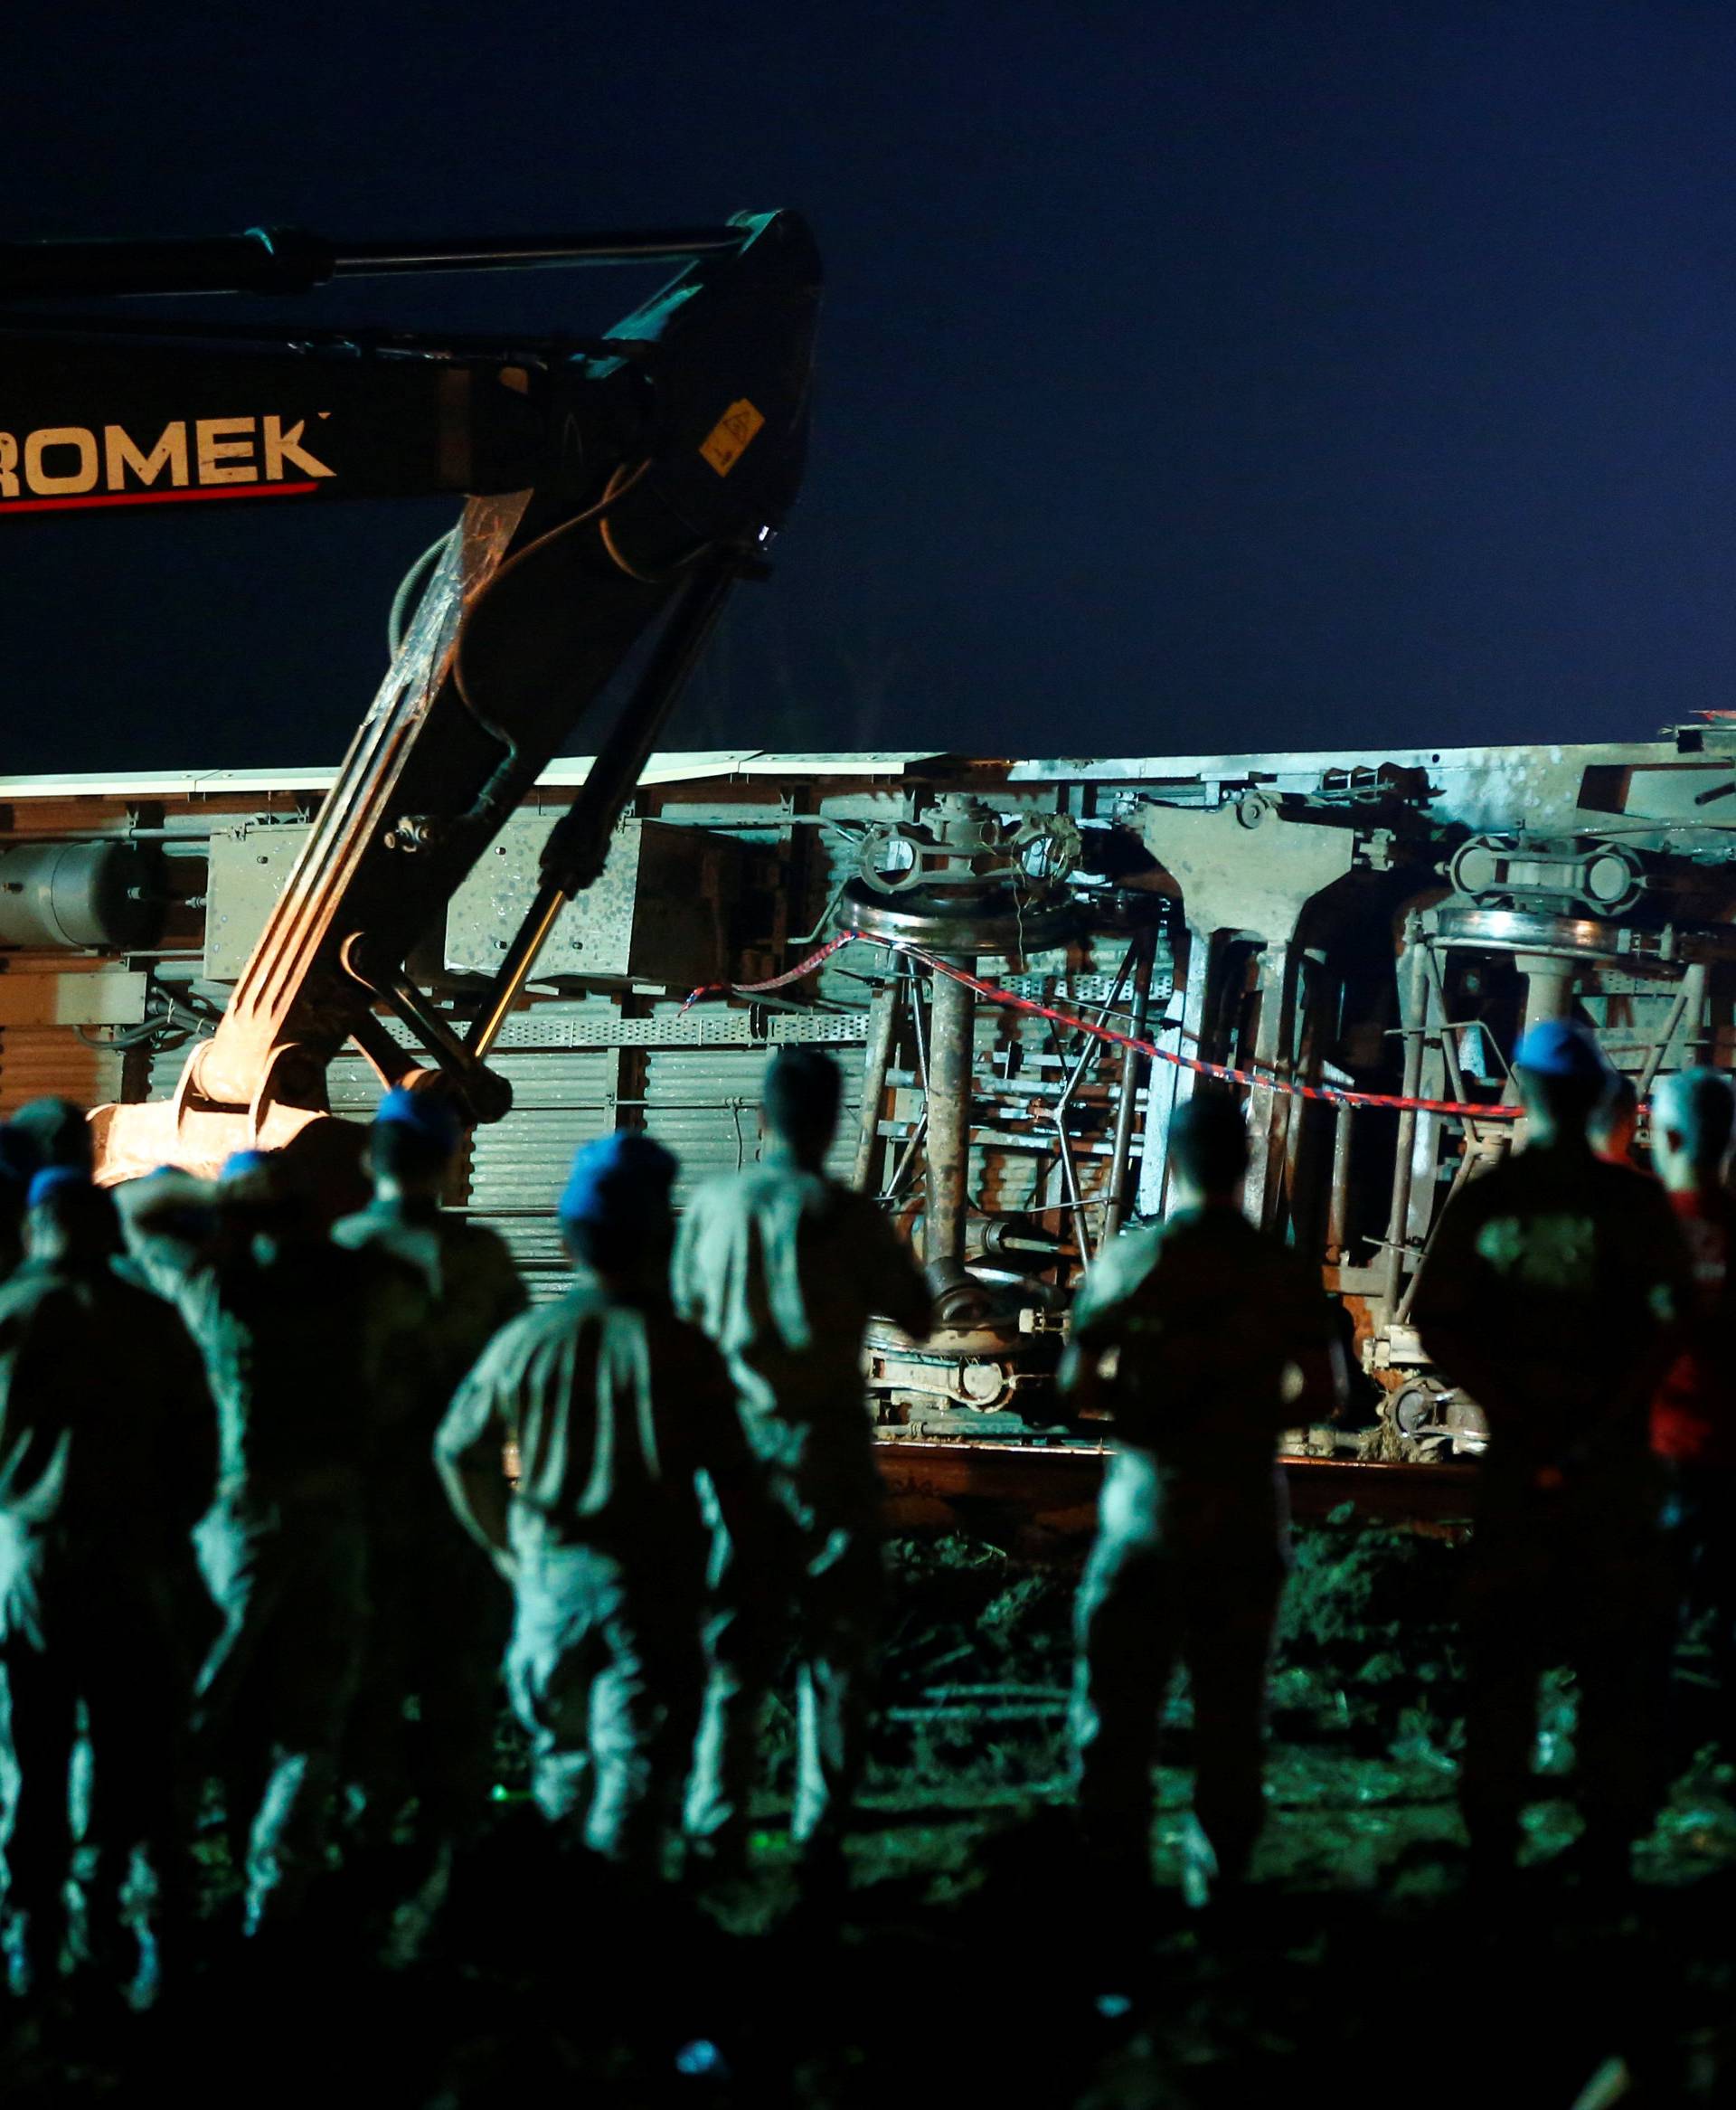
<point>965,1967</point>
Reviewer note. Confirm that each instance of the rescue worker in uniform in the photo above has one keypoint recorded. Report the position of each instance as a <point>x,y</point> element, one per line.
<point>293,1333</point>
<point>784,1269</point>
<point>108,1456</point>
<point>616,1408</point>
<point>440,1613</point>
<point>1551,1295</point>
<point>19,1164</point>
<point>1204,1336</point>
<point>57,1132</point>
<point>1694,1415</point>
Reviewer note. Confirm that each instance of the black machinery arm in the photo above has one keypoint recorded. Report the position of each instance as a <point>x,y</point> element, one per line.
<point>618,488</point>
<point>289,260</point>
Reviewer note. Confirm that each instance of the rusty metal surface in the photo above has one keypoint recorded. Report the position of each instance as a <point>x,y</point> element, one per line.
<point>1059,1482</point>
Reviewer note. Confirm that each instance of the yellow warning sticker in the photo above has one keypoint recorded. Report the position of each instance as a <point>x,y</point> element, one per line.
<point>727,441</point>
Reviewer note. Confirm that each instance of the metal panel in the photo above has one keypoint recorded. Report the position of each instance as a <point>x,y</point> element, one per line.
<point>51,1061</point>
<point>249,867</point>
<point>658,910</point>
<point>107,997</point>
<point>591,935</point>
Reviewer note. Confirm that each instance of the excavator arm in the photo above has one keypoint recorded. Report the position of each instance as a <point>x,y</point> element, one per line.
<point>617,487</point>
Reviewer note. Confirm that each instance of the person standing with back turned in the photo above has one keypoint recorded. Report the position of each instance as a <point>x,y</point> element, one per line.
<point>108,1456</point>
<point>441,1615</point>
<point>1693,1415</point>
<point>1552,1293</point>
<point>293,1333</point>
<point>1221,1337</point>
<point>617,1408</point>
<point>784,1269</point>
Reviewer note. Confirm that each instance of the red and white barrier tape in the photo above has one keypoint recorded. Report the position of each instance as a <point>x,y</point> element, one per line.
<point>776,981</point>
<point>1253,1080</point>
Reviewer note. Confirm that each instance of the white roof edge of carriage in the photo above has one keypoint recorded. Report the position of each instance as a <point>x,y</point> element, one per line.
<point>662,769</point>
<point>696,765</point>
<point>1162,768</point>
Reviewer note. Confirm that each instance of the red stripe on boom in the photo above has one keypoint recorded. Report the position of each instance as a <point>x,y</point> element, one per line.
<point>179,496</point>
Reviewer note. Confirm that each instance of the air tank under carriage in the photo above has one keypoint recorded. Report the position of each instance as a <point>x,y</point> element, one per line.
<point>1381,925</point>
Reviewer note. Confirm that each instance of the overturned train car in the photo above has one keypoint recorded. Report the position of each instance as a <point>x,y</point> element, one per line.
<point>1024,966</point>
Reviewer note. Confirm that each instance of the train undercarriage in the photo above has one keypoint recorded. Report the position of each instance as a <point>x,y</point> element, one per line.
<point>1026,967</point>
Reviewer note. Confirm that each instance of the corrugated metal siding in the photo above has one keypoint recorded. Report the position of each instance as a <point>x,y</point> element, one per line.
<point>354,1088</point>
<point>703,1105</point>
<point>516,1166</point>
<point>562,1098</point>
<point>52,1062</point>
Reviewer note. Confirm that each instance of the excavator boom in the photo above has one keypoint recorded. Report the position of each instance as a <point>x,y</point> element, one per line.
<point>617,487</point>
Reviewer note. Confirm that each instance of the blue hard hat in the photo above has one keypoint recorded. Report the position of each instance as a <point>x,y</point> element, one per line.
<point>55,1182</point>
<point>1562,1048</point>
<point>242,1165</point>
<point>428,1114</point>
<point>621,1181</point>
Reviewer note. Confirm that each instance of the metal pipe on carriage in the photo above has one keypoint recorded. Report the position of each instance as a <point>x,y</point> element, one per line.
<point>882,1024</point>
<point>1413,999</point>
<point>952,1011</point>
<point>1133,1063</point>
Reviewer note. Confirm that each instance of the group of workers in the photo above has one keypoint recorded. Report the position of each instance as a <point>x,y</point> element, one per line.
<point>1586,1308</point>
<point>279,1502</point>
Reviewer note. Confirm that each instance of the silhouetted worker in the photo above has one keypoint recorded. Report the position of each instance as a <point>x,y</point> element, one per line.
<point>19,1164</point>
<point>1614,1126</point>
<point>107,1455</point>
<point>615,1406</point>
<point>441,1615</point>
<point>1551,1295</point>
<point>1220,1336</point>
<point>57,1132</point>
<point>293,1332</point>
<point>784,1269</point>
<point>1694,1413</point>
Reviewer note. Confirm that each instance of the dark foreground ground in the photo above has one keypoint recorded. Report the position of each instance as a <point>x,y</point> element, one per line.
<point>966,1969</point>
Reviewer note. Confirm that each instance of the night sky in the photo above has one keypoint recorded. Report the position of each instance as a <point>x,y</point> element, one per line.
<point>1191,377</point>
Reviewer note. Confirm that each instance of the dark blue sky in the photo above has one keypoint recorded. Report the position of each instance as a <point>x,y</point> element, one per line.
<point>1192,377</point>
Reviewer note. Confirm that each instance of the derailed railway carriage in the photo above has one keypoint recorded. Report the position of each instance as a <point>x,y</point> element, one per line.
<point>1022,966</point>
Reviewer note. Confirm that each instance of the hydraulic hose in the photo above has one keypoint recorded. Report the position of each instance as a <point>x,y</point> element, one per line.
<point>410,590</point>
